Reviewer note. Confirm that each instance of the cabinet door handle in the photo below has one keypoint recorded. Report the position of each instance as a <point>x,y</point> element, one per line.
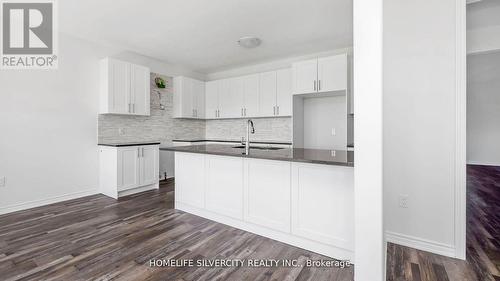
<point>277,110</point>
<point>133,107</point>
<point>319,85</point>
<point>138,152</point>
<point>142,152</point>
<point>274,110</point>
<point>129,111</point>
<point>245,111</point>
<point>241,112</point>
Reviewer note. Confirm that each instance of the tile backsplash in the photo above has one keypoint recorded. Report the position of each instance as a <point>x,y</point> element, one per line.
<point>161,126</point>
<point>266,129</point>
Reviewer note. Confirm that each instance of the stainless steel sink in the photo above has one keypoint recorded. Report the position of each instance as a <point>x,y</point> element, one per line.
<point>260,147</point>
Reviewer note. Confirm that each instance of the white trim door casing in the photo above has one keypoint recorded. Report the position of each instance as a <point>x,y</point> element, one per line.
<point>461,130</point>
<point>369,242</point>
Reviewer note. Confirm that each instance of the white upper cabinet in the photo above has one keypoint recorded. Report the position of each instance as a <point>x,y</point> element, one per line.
<point>320,75</point>
<point>234,98</point>
<point>199,99</point>
<point>267,93</point>
<point>276,93</point>
<point>189,98</point>
<point>139,89</point>
<point>251,95</point>
<point>284,92</point>
<point>305,76</point>
<point>125,88</point>
<point>332,73</point>
<point>230,98</point>
<point>212,99</point>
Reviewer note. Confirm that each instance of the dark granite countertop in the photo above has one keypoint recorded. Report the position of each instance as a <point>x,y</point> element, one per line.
<point>317,156</point>
<point>235,141</point>
<point>120,144</point>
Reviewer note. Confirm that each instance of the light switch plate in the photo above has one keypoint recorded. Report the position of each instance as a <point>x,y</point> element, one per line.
<point>334,132</point>
<point>2,181</point>
<point>121,131</point>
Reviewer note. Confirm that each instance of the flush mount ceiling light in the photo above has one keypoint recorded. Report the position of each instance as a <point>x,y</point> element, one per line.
<point>249,42</point>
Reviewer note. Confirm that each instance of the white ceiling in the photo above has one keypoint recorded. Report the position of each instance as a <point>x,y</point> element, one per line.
<point>202,34</point>
<point>485,13</point>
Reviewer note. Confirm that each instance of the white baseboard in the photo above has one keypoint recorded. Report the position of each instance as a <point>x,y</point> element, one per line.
<point>138,190</point>
<point>483,163</point>
<point>47,201</point>
<point>421,244</point>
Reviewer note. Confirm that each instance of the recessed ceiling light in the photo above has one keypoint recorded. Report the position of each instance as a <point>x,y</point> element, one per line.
<point>249,42</point>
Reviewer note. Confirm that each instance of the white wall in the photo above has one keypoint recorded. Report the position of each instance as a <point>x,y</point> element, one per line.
<point>48,122</point>
<point>483,109</point>
<point>321,116</point>
<point>420,122</point>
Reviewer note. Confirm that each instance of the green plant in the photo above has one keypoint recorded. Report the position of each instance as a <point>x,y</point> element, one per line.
<point>160,83</point>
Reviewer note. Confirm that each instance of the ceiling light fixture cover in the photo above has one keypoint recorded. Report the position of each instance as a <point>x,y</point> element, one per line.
<point>249,42</point>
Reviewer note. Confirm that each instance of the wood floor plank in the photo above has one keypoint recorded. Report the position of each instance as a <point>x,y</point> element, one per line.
<point>99,238</point>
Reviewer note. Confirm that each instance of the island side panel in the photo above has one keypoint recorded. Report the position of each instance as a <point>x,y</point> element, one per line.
<point>323,204</point>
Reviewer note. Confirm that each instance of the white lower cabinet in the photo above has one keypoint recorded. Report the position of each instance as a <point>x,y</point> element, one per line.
<point>323,203</point>
<point>306,205</point>
<point>125,170</point>
<point>128,167</point>
<point>224,189</point>
<point>149,160</point>
<point>267,193</point>
<point>190,179</point>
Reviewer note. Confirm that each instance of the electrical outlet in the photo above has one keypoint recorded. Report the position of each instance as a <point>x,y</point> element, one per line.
<point>334,132</point>
<point>121,131</point>
<point>403,201</point>
<point>2,181</point>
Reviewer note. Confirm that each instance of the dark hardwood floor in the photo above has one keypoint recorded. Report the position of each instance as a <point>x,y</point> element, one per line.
<point>483,221</point>
<point>99,238</point>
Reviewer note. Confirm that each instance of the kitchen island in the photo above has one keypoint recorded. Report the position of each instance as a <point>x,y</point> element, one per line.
<point>302,197</point>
